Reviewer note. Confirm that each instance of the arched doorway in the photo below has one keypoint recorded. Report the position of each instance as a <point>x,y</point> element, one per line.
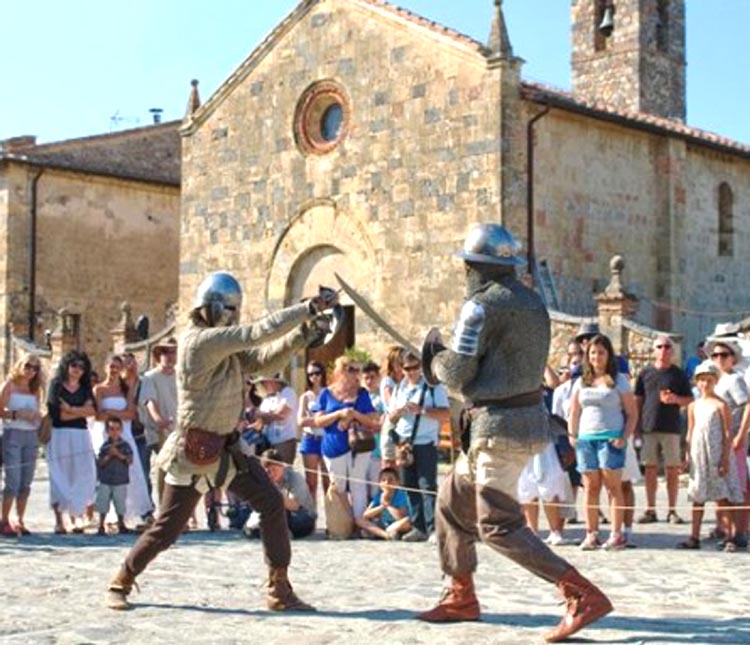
<point>317,243</point>
<point>315,268</point>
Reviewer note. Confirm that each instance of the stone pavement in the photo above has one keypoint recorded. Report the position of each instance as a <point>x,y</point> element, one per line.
<point>207,589</point>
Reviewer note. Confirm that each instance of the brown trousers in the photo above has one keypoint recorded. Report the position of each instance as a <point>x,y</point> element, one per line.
<point>253,486</point>
<point>478,502</point>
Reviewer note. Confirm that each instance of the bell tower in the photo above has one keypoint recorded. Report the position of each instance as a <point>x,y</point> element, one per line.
<point>630,54</point>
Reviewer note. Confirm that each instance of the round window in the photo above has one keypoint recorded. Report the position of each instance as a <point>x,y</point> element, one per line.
<point>322,118</point>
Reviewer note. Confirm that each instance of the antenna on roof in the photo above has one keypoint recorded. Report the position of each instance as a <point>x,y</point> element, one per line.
<point>116,121</point>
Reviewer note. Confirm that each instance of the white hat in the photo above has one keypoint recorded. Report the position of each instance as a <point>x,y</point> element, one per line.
<point>726,329</point>
<point>706,367</point>
<point>730,343</point>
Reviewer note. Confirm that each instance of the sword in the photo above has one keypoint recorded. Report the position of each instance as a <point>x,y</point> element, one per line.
<point>373,315</point>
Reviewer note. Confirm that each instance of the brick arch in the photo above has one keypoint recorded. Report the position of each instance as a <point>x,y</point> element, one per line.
<point>317,232</point>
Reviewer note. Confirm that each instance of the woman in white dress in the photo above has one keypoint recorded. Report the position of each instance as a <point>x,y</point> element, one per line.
<point>114,398</point>
<point>72,471</point>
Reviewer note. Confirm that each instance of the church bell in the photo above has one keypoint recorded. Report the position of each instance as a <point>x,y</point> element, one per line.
<point>607,25</point>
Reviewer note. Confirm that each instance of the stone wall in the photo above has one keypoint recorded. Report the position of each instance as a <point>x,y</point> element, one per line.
<point>387,208</point>
<point>641,66</point>
<point>603,189</point>
<point>100,241</point>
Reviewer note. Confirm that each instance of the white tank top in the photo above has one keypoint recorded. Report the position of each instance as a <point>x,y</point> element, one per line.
<point>21,401</point>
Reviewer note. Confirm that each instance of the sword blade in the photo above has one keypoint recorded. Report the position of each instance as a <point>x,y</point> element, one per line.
<point>373,315</point>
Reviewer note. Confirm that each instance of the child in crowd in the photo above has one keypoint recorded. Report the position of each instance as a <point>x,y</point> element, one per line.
<point>112,466</point>
<point>387,516</point>
<point>707,452</point>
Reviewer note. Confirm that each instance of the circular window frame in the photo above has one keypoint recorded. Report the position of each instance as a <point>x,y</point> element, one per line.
<point>308,117</point>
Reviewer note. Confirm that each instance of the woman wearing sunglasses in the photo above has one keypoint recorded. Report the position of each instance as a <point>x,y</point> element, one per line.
<point>72,471</point>
<point>19,409</point>
<point>311,438</point>
<point>339,409</point>
<point>731,388</point>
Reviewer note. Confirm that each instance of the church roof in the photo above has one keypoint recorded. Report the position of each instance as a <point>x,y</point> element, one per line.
<point>448,35</point>
<point>556,98</point>
<point>151,153</point>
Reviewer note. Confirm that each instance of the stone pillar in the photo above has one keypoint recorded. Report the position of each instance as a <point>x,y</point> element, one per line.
<point>66,335</point>
<point>125,331</point>
<point>614,305</point>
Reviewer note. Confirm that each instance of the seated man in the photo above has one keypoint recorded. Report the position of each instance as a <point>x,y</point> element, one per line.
<point>387,516</point>
<point>299,505</point>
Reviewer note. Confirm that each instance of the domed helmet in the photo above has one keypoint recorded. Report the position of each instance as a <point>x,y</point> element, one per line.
<point>221,295</point>
<point>491,244</point>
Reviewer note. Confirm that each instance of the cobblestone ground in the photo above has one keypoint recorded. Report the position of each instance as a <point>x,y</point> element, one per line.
<point>208,589</point>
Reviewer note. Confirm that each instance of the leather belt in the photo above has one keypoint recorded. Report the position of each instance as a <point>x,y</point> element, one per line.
<point>524,400</point>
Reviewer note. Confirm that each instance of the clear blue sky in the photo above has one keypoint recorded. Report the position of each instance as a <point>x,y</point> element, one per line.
<point>66,68</point>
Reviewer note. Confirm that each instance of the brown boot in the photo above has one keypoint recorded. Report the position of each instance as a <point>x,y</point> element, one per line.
<point>280,595</point>
<point>119,588</point>
<point>585,604</point>
<point>459,603</point>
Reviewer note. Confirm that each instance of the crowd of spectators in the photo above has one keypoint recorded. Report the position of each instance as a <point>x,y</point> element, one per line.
<point>371,432</point>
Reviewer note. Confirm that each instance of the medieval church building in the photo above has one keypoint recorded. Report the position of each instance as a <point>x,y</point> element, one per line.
<point>362,139</point>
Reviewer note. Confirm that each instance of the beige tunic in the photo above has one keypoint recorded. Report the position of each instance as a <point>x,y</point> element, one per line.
<point>211,365</point>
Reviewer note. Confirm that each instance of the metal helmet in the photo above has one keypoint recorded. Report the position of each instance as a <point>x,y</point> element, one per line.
<point>221,294</point>
<point>491,244</point>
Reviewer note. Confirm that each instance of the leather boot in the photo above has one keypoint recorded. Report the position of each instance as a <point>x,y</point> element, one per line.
<point>585,604</point>
<point>280,595</point>
<point>119,588</point>
<point>459,603</point>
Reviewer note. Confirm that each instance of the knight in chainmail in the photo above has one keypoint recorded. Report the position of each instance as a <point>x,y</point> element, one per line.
<point>205,451</point>
<point>496,361</point>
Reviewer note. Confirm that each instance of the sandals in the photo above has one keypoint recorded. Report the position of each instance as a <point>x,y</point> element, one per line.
<point>591,543</point>
<point>690,543</point>
<point>649,517</point>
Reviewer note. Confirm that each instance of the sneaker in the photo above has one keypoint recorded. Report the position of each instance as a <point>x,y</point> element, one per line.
<point>649,517</point>
<point>415,535</point>
<point>433,539</point>
<point>591,543</point>
<point>673,518</point>
<point>615,543</point>
<point>555,538</point>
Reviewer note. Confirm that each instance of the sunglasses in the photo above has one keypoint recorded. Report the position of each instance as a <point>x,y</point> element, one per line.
<point>411,368</point>
<point>353,370</point>
<point>721,355</point>
<point>663,347</point>
<point>31,366</point>
<point>78,365</point>
<point>311,374</point>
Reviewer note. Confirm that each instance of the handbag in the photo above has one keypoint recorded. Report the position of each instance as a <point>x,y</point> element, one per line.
<point>405,449</point>
<point>45,429</point>
<point>360,440</point>
<point>339,520</point>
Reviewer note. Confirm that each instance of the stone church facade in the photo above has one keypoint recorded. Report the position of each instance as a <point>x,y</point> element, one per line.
<point>359,138</point>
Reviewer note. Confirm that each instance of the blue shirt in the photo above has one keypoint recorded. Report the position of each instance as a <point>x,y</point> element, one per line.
<point>336,442</point>
<point>399,501</point>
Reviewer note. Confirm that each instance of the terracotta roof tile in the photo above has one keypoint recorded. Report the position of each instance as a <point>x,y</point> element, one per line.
<point>545,94</point>
<point>151,153</point>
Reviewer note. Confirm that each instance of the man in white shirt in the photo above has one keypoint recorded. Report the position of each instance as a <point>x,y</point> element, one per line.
<point>418,410</point>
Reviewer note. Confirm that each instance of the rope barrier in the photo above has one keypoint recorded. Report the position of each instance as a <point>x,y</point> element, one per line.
<point>561,505</point>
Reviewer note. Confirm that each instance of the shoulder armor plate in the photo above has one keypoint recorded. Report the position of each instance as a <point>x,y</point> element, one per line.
<point>469,326</point>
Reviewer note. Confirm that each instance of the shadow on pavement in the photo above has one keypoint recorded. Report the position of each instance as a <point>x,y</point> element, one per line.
<point>666,630</point>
